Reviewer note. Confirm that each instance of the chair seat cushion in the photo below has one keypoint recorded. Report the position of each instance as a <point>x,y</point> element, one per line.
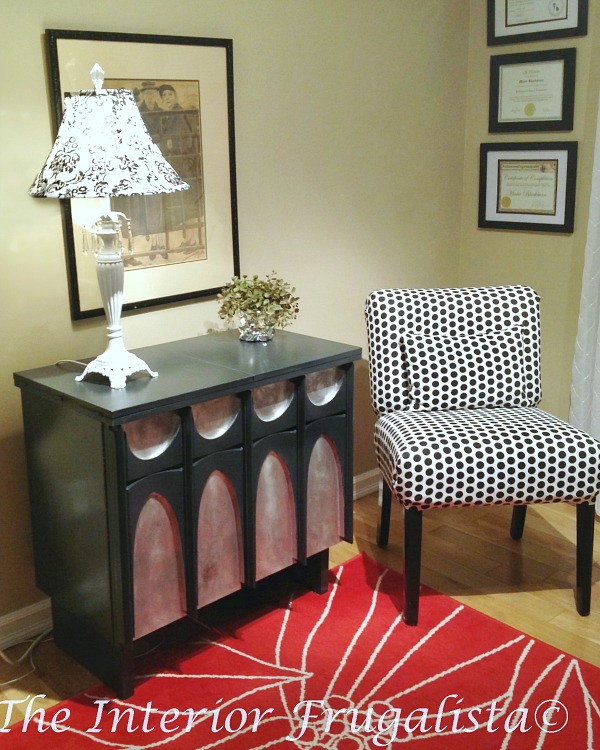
<point>501,455</point>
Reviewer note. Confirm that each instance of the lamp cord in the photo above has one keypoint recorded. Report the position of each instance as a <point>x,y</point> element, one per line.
<point>27,653</point>
<point>70,362</point>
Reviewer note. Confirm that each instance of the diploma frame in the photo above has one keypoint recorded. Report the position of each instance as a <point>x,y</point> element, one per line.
<point>549,208</point>
<point>538,19</point>
<point>208,64</point>
<point>540,104</point>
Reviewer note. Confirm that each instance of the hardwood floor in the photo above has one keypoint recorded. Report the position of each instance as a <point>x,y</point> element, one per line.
<point>467,554</point>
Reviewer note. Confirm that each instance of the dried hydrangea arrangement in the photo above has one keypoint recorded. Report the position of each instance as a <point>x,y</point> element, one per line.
<point>260,304</point>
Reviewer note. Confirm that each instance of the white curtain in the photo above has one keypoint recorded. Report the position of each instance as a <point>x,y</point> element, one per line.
<point>585,388</point>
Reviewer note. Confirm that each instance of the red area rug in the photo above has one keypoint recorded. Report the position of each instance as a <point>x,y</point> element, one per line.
<point>341,672</point>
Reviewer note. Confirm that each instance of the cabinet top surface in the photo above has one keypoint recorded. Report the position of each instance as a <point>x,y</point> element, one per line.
<point>200,367</point>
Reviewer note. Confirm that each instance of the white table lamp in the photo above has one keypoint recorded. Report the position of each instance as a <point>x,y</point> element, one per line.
<point>103,150</point>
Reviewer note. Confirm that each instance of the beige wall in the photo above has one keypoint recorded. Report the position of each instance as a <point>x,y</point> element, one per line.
<point>550,263</point>
<point>350,131</point>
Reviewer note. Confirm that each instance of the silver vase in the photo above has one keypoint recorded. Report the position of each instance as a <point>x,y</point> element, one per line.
<point>255,328</point>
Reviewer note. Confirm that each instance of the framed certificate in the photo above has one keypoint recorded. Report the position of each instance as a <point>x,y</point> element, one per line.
<point>511,21</point>
<point>528,186</point>
<point>532,91</point>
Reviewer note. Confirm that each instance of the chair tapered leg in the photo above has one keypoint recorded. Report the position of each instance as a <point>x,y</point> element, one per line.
<point>413,528</point>
<point>518,521</point>
<point>585,560</point>
<point>383,528</point>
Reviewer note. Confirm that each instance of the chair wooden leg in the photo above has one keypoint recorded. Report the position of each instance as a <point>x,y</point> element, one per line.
<point>383,528</point>
<point>518,521</point>
<point>585,559</point>
<point>413,528</point>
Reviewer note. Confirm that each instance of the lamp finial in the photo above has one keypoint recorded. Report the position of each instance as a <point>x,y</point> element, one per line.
<point>97,75</point>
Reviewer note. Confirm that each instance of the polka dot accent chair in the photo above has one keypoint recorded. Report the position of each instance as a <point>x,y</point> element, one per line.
<point>455,382</point>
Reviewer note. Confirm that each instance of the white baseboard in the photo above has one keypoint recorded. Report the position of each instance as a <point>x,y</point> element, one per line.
<point>366,483</point>
<point>25,623</point>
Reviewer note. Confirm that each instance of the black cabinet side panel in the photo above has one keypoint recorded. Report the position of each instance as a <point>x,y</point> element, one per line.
<point>65,468</point>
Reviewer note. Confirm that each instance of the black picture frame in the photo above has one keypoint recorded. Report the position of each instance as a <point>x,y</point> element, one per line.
<point>176,272</point>
<point>532,91</point>
<point>528,186</point>
<point>545,19</point>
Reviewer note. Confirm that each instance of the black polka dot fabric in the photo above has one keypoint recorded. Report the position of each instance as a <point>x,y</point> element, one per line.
<point>465,371</point>
<point>504,455</point>
<point>393,314</point>
<point>455,378</point>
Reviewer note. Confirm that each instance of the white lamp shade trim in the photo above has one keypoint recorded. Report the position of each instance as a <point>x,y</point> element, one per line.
<point>103,149</point>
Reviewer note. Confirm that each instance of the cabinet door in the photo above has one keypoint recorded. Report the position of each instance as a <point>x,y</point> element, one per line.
<point>326,392</point>
<point>158,577</point>
<point>325,477</point>
<point>153,444</point>
<point>217,424</point>
<point>218,537</point>
<point>274,480</point>
<point>273,408</point>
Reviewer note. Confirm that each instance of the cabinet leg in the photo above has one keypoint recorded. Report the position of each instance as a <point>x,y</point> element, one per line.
<point>317,571</point>
<point>111,663</point>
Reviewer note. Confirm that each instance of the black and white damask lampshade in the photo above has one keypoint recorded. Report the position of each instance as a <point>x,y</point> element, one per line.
<point>103,150</point>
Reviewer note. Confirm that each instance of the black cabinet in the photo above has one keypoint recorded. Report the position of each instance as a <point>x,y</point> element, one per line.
<point>151,502</point>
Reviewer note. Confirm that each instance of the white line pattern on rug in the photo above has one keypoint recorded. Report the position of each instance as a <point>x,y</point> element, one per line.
<point>517,648</point>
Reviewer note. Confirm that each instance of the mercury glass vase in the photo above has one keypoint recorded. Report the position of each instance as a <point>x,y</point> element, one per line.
<point>256,327</point>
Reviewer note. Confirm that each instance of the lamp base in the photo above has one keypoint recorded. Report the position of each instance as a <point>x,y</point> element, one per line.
<point>115,363</point>
<point>116,366</point>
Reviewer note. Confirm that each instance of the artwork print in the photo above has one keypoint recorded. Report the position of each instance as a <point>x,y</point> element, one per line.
<point>185,244</point>
<point>168,228</point>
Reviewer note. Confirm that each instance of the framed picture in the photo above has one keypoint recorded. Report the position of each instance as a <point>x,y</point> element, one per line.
<point>528,186</point>
<point>532,91</point>
<point>511,21</point>
<point>185,244</point>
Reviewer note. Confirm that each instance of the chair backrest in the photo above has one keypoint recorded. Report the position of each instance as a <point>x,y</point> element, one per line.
<point>394,314</point>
